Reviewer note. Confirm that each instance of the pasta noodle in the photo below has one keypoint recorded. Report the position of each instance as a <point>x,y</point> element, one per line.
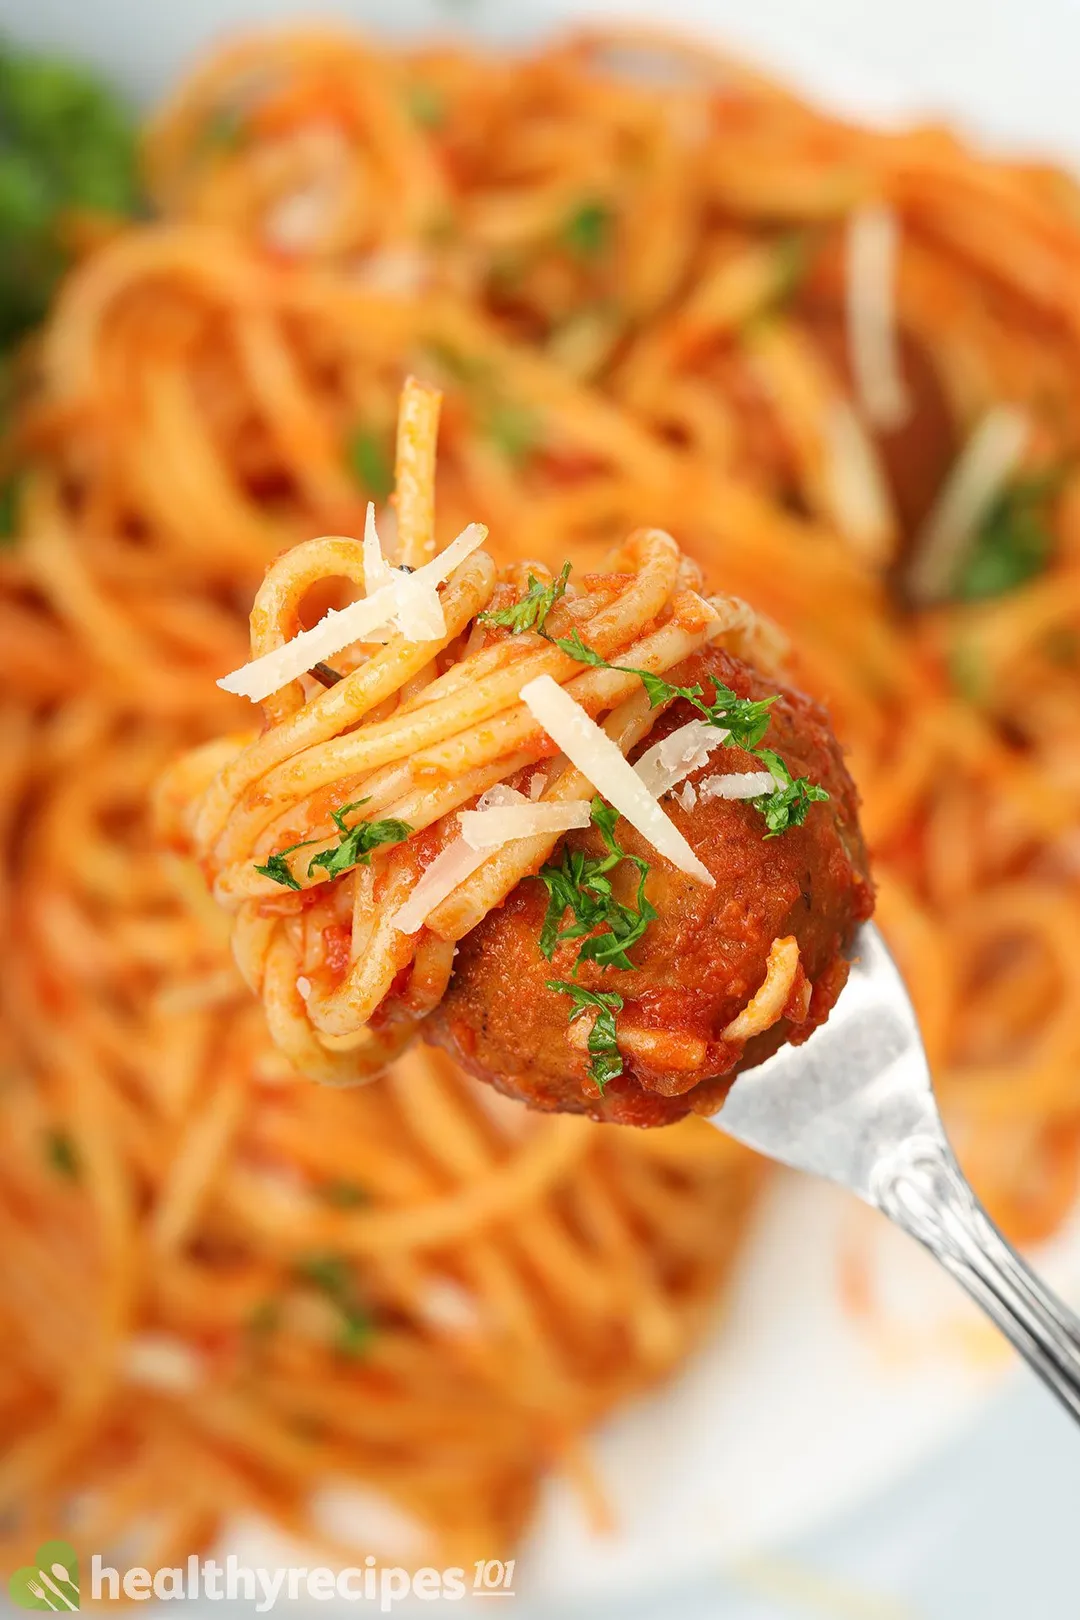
<point>219,1285</point>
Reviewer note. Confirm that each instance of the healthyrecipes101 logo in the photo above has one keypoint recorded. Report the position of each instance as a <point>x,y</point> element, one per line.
<point>51,1582</point>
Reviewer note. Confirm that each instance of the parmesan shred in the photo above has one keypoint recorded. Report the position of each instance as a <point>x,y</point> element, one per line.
<point>457,862</point>
<point>736,785</point>
<point>861,502</point>
<point>490,829</point>
<point>872,241</point>
<point>981,471</point>
<point>407,597</point>
<point>161,1361</point>
<point>599,759</point>
<point>670,761</point>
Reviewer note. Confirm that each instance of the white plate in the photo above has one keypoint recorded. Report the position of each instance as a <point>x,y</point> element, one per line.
<point>799,1407</point>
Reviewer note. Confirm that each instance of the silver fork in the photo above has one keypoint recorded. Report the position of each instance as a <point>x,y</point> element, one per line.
<point>855,1105</point>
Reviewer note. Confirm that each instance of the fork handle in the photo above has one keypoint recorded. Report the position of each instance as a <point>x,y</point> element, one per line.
<point>921,1188</point>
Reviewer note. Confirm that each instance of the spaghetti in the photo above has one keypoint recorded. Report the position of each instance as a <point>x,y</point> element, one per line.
<point>355,955</point>
<point>638,291</point>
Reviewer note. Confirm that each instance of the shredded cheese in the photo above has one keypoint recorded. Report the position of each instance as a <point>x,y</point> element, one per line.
<point>858,492</point>
<point>594,753</point>
<point>736,785</point>
<point>490,829</point>
<point>457,862</point>
<point>981,471</point>
<point>872,240</point>
<point>406,594</point>
<point>161,1361</point>
<point>670,761</point>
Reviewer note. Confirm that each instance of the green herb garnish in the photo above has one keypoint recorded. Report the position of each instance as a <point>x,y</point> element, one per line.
<point>530,611</point>
<point>332,1275</point>
<point>745,720</point>
<point>9,509</point>
<point>513,429</point>
<point>580,885</point>
<point>222,130</point>
<point>604,1060</point>
<point>61,1153</point>
<point>343,1194</point>
<point>277,868</point>
<point>427,105</point>
<point>1013,543</point>
<point>587,232</point>
<point>357,842</point>
<point>369,461</point>
<point>786,806</point>
<point>67,144</point>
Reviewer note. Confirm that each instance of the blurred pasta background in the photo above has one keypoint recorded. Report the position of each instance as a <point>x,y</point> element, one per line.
<point>839,366</point>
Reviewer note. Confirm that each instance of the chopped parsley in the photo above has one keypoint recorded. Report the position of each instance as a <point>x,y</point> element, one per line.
<point>9,509</point>
<point>354,848</point>
<point>530,611</point>
<point>357,842</point>
<point>222,130</point>
<point>1012,544</point>
<point>332,1275</point>
<point>792,259</point>
<point>786,806</point>
<point>67,145</point>
<point>604,1059</point>
<point>277,867</point>
<point>586,233</point>
<point>61,1153</point>
<point>580,885</point>
<point>427,105</point>
<point>513,429</point>
<point>264,1320</point>
<point>744,722</point>
<point>369,461</point>
<point>343,1194</point>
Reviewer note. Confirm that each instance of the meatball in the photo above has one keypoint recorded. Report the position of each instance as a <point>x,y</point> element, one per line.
<point>700,961</point>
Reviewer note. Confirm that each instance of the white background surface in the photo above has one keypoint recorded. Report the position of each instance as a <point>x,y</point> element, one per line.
<point>785,1434</point>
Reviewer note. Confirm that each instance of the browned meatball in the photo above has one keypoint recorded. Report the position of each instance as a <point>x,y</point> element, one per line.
<point>702,959</point>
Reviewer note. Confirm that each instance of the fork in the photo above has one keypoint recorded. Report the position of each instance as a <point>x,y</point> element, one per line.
<point>855,1104</point>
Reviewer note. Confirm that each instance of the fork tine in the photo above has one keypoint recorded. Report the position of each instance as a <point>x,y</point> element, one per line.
<point>858,1087</point>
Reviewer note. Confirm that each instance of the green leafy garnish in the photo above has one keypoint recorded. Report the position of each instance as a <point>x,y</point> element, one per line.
<point>427,105</point>
<point>968,671</point>
<point>792,258</point>
<point>604,1060</point>
<point>264,1320</point>
<point>67,143</point>
<point>587,232</point>
<point>513,429</point>
<point>61,1153</point>
<point>332,1275</point>
<point>343,1194</point>
<point>9,509</point>
<point>787,805</point>
<point>222,130</point>
<point>277,868</point>
<point>530,611</point>
<point>1012,544</point>
<point>580,885</point>
<point>745,720</point>
<point>357,842</point>
<point>369,460</point>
